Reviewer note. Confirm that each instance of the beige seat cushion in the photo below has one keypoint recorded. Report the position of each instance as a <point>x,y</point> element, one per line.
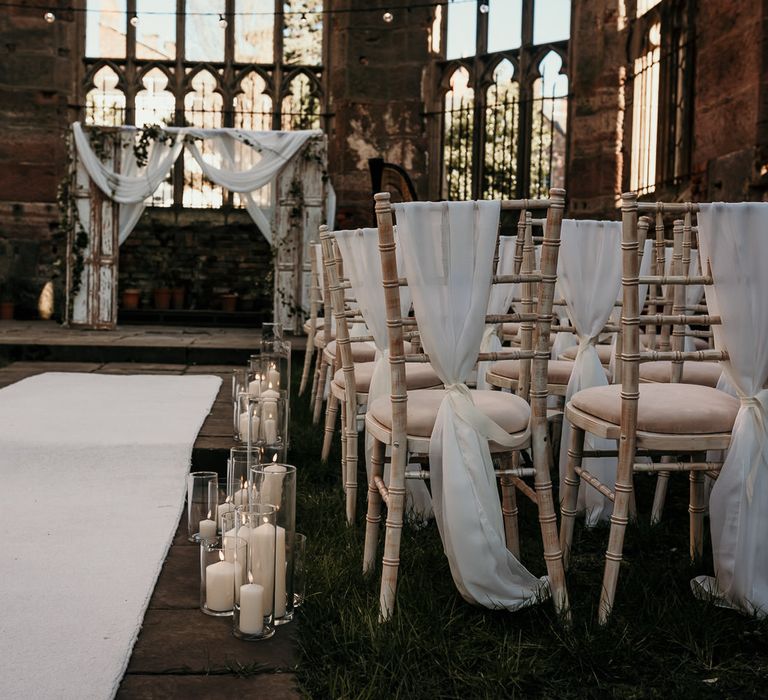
<point>319,324</point>
<point>507,410</point>
<point>509,329</point>
<point>320,338</point>
<point>603,352</point>
<point>559,371</point>
<point>669,409</point>
<point>702,373</point>
<point>361,352</point>
<point>418,375</point>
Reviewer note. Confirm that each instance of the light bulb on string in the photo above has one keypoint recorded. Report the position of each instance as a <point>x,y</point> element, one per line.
<point>303,19</point>
<point>49,17</point>
<point>222,21</point>
<point>134,20</point>
<point>484,8</point>
<point>388,17</point>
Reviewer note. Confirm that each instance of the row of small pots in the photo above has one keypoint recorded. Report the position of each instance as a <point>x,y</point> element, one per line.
<point>165,298</point>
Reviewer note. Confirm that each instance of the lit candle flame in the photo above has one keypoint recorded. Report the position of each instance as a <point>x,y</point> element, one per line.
<point>270,385</point>
<point>209,515</point>
<point>250,577</point>
<point>221,555</point>
<point>274,459</point>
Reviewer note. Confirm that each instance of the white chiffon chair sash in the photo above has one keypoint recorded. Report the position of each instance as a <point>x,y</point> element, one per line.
<point>589,272</point>
<point>498,303</point>
<point>734,238</point>
<point>362,266</point>
<point>448,254</point>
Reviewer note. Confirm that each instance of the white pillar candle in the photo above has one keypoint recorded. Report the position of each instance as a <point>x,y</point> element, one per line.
<point>263,560</point>
<point>272,484</point>
<point>224,508</point>
<point>244,426</point>
<point>239,579</point>
<point>280,595</point>
<point>220,585</point>
<point>251,608</point>
<point>274,377</point>
<point>254,387</point>
<point>207,529</point>
<point>270,431</point>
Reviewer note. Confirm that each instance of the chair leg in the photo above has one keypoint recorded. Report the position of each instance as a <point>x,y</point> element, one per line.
<point>393,532</point>
<point>331,412</point>
<point>343,447</point>
<point>509,505</point>
<point>696,509</point>
<point>349,437</point>
<point>619,518</point>
<point>659,496</point>
<point>553,553</point>
<point>315,377</point>
<point>322,380</point>
<point>570,493</point>
<point>373,517</point>
<point>308,353</point>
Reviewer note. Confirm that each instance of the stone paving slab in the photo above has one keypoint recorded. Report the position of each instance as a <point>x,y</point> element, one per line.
<point>264,686</point>
<point>188,641</point>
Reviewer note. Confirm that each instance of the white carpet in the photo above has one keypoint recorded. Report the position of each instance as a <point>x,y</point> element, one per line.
<point>92,484</point>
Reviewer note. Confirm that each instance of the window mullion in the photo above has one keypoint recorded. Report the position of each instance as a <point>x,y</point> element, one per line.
<point>277,73</point>
<point>130,64</point>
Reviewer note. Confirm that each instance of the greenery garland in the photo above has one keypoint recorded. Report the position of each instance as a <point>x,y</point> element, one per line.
<point>71,226</point>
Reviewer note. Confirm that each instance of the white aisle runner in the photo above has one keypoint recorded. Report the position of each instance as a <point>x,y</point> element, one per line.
<point>92,484</point>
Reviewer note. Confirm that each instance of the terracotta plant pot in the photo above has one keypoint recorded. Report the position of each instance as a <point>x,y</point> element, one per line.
<point>162,298</point>
<point>131,299</point>
<point>6,310</point>
<point>177,297</point>
<point>229,302</point>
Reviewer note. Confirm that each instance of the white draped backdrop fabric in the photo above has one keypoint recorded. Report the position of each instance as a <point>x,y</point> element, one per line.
<point>362,265</point>
<point>251,160</point>
<point>448,250</point>
<point>734,239</point>
<point>589,273</point>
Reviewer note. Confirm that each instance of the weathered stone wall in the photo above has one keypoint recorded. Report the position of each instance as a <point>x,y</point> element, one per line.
<point>597,52</point>
<point>207,252</point>
<point>374,81</point>
<point>730,77</point>
<point>39,69</point>
<point>729,157</point>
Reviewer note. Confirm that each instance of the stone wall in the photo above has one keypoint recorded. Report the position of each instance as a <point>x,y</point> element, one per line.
<point>730,81</point>
<point>39,69</point>
<point>375,99</point>
<point>207,252</point>
<point>597,51</point>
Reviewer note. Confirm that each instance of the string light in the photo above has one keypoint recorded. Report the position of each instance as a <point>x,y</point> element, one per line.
<point>484,8</point>
<point>222,21</point>
<point>408,6</point>
<point>303,20</point>
<point>134,20</point>
<point>49,17</point>
<point>388,17</point>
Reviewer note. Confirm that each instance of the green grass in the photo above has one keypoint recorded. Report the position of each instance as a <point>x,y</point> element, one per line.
<point>661,641</point>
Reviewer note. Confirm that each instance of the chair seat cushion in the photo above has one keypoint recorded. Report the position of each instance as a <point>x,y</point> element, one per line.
<point>361,352</point>
<point>668,409</point>
<point>603,352</point>
<point>320,337</point>
<point>418,375</point>
<point>319,324</point>
<point>507,410</point>
<point>510,329</point>
<point>559,371</point>
<point>703,373</point>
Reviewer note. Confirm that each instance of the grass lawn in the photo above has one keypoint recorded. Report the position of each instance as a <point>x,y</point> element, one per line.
<point>661,641</point>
